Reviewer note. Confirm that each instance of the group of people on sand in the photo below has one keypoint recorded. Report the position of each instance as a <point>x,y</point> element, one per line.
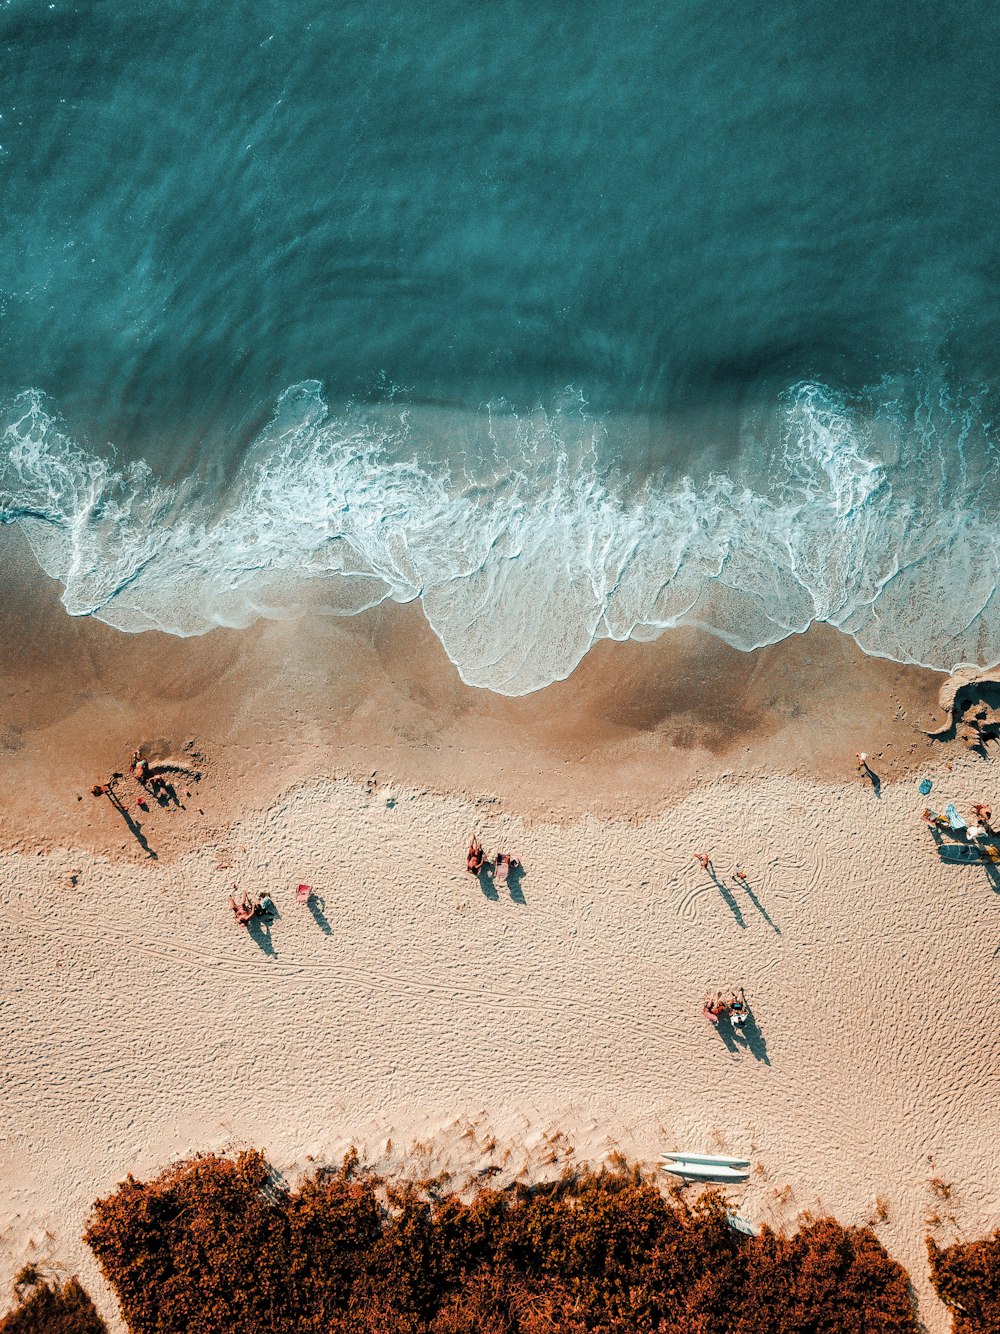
<point>979,824</point>
<point>734,1007</point>
<point>476,861</point>
<point>247,908</point>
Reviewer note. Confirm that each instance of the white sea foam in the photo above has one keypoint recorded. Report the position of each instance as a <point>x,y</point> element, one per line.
<point>874,524</point>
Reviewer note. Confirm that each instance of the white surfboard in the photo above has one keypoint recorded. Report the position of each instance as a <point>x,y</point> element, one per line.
<point>720,1158</point>
<point>705,1171</point>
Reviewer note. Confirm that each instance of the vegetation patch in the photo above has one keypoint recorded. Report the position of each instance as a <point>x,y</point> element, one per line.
<point>45,1306</point>
<point>966,1277</point>
<point>218,1244</point>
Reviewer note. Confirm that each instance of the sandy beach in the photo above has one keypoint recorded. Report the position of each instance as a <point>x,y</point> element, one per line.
<point>440,1024</point>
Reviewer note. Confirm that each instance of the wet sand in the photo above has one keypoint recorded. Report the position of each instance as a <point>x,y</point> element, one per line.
<point>634,729</point>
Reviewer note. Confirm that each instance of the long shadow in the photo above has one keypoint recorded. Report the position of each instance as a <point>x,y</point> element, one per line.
<point>724,890</point>
<point>514,878</point>
<point>259,931</point>
<point>725,1032</point>
<point>316,906</point>
<point>760,907</point>
<point>485,878</point>
<point>874,779</point>
<point>992,875</point>
<point>754,1040</point>
<point>166,794</point>
<point>134,829</point>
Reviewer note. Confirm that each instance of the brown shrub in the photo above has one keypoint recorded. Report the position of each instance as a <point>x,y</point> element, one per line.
<point>966,1277</point>
<point>216,1245</point>
<point>47,1307</point>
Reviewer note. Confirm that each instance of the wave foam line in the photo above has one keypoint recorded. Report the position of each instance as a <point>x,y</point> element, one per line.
<point>520,577</point>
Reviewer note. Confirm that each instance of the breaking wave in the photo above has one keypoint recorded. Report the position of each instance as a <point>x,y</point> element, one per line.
<point>881,522</point>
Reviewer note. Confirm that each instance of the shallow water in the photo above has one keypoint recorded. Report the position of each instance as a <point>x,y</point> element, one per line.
<point>571,325</point>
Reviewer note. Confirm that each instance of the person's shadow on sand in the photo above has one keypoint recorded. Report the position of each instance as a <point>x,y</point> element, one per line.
<point>754,1040</point>
<point>727,1035</point>
<point>747,1037</point>
<point>485,877</point>
<point>992,874</point>
<point>759,906</point>
<point>259,931</point>
<point>514,878</point>
<point>726,893</point>
<point>316,906</point>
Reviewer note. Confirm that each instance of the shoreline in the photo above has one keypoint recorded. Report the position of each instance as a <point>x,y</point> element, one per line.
<point>635,728</point>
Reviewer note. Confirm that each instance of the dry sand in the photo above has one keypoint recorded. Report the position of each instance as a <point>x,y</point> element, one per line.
<point>438,1024</point>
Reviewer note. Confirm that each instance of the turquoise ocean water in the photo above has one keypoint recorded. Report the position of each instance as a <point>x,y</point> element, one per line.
<point>594,320</point>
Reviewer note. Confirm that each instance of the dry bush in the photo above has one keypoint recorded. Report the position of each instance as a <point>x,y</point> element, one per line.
<point>966,1277</point>
<point>47,1307</point>
<point>216,1245</point>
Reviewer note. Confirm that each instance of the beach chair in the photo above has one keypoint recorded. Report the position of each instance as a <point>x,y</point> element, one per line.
<point>303,894</point>
<point>954,819</point>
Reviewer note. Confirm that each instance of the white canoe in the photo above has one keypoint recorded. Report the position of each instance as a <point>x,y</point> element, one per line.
<point>719,1159</point>
<point>705,1171</point>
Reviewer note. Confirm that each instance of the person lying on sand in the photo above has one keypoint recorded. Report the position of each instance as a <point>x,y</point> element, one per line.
<point>244,910</point>
<point>739,1011</point>
<point>715,1007</point>
<point>474,857</point>
<point>503,864</point>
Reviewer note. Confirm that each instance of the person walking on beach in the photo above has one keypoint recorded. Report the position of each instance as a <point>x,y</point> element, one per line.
<point>739,875</point>
<point>703,860</point>
<point>866,771</point>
